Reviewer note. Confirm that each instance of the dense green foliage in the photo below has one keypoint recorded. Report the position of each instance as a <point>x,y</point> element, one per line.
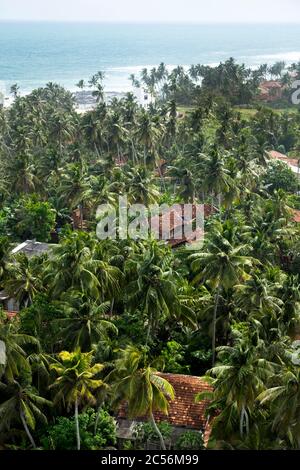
<point>99,318</point>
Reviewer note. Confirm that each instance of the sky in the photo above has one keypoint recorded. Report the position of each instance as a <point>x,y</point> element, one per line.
<point>197,11</point>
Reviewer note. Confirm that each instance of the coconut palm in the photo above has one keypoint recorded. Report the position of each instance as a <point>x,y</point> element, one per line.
<point>140,186</point>
<point>255,295</point>
<point>24,404</point>
<point>217,180</point>
<point>83,323</point>
<point>153,290</point>
<point>284,402</point>
<point>141,386</point>
<point>76,383</point>
<point>222,265</point>
<point>236,381</point>
<point>4,250</point>
<point>148,132</point>
<point>72,266</point>
<point>23,282</point>
<point>16,355</point>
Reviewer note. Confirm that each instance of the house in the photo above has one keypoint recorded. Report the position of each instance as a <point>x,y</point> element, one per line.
<point>30,248</point>
<point>171,225</point>
<point>78,219</point>
<point>143,97</point>
<point>293,163</point>
<point>296,216</point>
<point>270,90</point>
<point>184,413</point>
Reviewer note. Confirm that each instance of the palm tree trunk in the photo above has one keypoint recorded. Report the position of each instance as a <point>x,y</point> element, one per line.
<point>112,307</point>
<point>97,150</point>
<point>149,329</point>
<point>81,216</point>
<point>27,429</point>
<point>162,181</point>
<point>77,425</point>
<point>97,420</point>
<point>244,422</point>
<point>217,296</point>
<point>220,202</point>
<point>161,439</point>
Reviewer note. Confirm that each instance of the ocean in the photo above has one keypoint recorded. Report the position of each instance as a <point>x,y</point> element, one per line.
<point>32,54</point>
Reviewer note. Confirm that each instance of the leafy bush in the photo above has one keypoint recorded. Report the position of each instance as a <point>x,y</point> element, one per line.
<point>172,356</point>
<point>280,176</point>
<point>190,440</point>
<point>62,435</point>
<point>146,431</point>
<point>33,218</point>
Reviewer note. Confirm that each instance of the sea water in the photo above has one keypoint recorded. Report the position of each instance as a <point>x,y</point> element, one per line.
<point>32,54</point>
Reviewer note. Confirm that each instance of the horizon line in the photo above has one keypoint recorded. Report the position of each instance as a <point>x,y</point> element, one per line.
<point>150,22</point>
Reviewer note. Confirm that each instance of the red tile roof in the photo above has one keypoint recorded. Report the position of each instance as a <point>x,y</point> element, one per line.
<point>10,315</point>
<point>269,84</point>
<point>174,219</point>
<point>296,215</point>
<point>284,158</point>
<point>183,411</point>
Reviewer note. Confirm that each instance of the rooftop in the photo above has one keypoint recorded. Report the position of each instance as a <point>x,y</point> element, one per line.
<point>173,226</point>
<point>183,411</point>
<point>293,163</point>
<point>31,248</point>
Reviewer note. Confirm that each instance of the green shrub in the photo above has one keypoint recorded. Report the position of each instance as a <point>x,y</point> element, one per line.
<point>280,176</point>
<point>146,431</point>
<point>62,434</point>
<point>190,440</point>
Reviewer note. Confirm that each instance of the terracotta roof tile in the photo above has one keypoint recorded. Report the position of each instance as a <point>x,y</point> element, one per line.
<point>296,216</point>
<point>284,158</point>
<point>183,411</point>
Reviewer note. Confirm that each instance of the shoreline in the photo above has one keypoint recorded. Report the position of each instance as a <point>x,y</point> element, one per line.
<point>84,99</point>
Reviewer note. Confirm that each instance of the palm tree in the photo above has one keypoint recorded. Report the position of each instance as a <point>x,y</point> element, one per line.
<point>4,250</point>
<point>140,186</point>
<point>117,133</point>
<point>74,187</point>
<point>23,281</point>
<point>217,179</point>
<point>23,405</point>
<point>147,134</point>
<point>99,93</point>
<point>256,296</point>
<point>62,129</point>
<point>16,356</point>
<point>152,289</point>
<point>83,323</point>
<point>14,90</point>
<point>284,402</point>
<point>76,383</point>
<point>141,386</point>
<point>236,382</point>
<point>81,84</point>
<point>222,265</point>
<point>23,173</point>
<point>73,266</point>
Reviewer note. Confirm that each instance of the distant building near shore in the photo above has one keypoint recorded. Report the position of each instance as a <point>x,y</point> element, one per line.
<point>293,163</point>
<point>144,97</point>
<point>270,90</point>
